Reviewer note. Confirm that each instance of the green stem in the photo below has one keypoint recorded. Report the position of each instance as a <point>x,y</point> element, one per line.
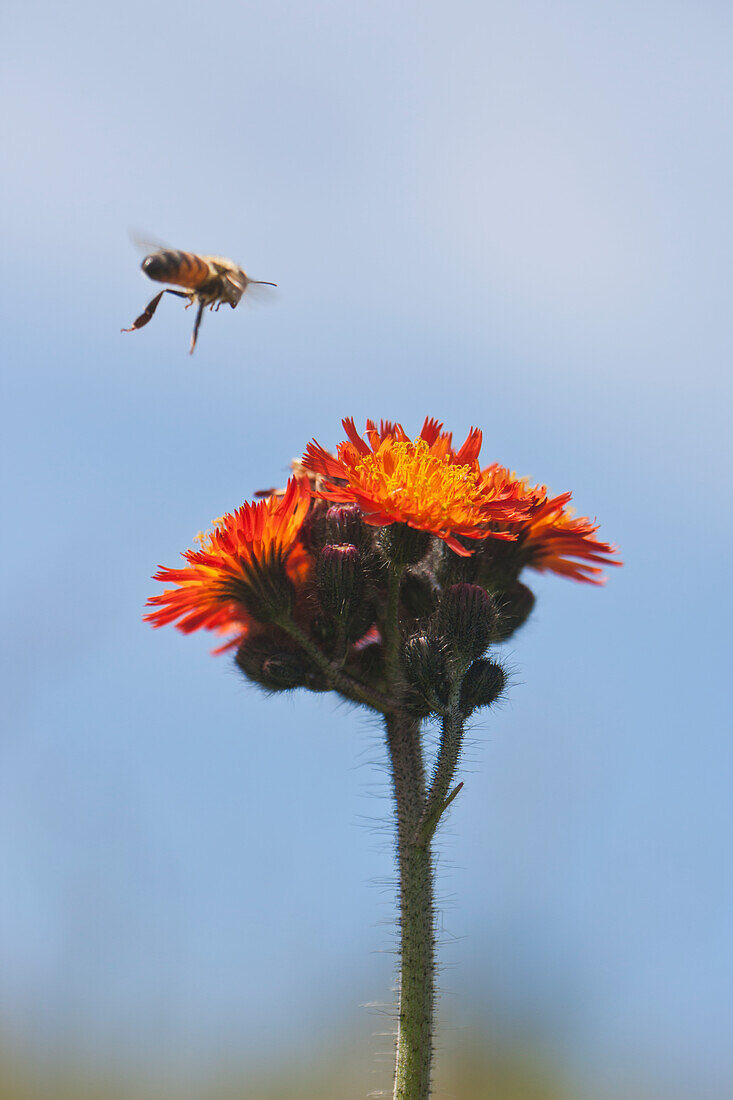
<point>438,799</point>
<point>417,924</point>
<point>343,683</point>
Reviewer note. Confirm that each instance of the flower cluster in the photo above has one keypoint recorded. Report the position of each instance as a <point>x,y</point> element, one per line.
<point>383,571</point>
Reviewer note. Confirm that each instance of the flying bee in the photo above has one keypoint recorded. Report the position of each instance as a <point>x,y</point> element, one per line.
<point>209,280</point>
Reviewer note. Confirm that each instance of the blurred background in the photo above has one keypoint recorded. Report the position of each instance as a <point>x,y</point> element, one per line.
<point>515,215</point>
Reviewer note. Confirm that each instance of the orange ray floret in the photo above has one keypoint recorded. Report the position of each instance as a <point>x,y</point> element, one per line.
<point>250,554</point>
<point>423,483</point>
<point>551,539</point>
<point>555,540</point>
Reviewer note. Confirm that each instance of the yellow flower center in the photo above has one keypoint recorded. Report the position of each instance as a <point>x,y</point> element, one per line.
<point>410,477</point>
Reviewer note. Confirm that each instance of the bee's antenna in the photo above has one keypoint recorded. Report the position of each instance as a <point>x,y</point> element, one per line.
<point>261,282</point>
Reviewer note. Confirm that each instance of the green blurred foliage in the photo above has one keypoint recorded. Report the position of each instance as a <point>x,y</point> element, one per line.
<point>476,1072</point>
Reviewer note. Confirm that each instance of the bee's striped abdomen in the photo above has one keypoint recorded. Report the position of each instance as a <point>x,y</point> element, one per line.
<point>180,268</point>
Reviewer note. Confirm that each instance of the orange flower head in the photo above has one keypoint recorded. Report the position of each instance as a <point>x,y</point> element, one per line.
<point>244,570</point>
<point>421,482</point>
<point>550,538</point>
<point>555,540</point>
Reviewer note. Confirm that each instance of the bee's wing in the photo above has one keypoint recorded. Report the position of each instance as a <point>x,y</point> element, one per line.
<point>145,245</point>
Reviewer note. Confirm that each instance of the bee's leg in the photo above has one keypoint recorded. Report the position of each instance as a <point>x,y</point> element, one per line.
<point>197,322</point>
<point>147,315</point>
<point>150,309</point>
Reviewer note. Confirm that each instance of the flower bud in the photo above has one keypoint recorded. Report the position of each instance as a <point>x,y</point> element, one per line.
<point>402,545</point>
<point>426,671</point>
<point>283,671</point>
<point>466,617</point>
<point>340,577</point>
<point>482,685</point>
<point>313,531</point>
<point>264,659</point>
<point>344,524</point>
<point>514,608</point>
<point>497,564</point>
<point>323,631</point>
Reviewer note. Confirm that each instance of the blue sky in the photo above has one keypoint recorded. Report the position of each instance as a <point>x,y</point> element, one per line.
<point>509,215</point>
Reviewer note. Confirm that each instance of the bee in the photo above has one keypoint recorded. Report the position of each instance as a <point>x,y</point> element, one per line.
<point>209,280</point>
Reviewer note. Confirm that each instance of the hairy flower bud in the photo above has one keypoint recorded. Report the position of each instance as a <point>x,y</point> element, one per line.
<point>344,523</point>
<point>402,545</point>
<point>514,608</point>
<point>266,660</point>
<point>314,526</point>
<point>482,685</point>
<point>340,577</point>
<point>497,564</point>
<point>323,631</point>
<point>284,671</point>
<point>466,617</point>
<point>426,670</point>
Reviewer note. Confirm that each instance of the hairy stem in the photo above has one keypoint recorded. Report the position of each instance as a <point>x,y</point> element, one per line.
<point>417,926</point>
<point>438,799</point>
<point>342,683</point>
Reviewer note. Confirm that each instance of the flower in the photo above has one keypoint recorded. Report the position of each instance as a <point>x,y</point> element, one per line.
<point>553,537</point>
<point>245,570</point>
<point>423,483</point>
<point>550,538</point>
